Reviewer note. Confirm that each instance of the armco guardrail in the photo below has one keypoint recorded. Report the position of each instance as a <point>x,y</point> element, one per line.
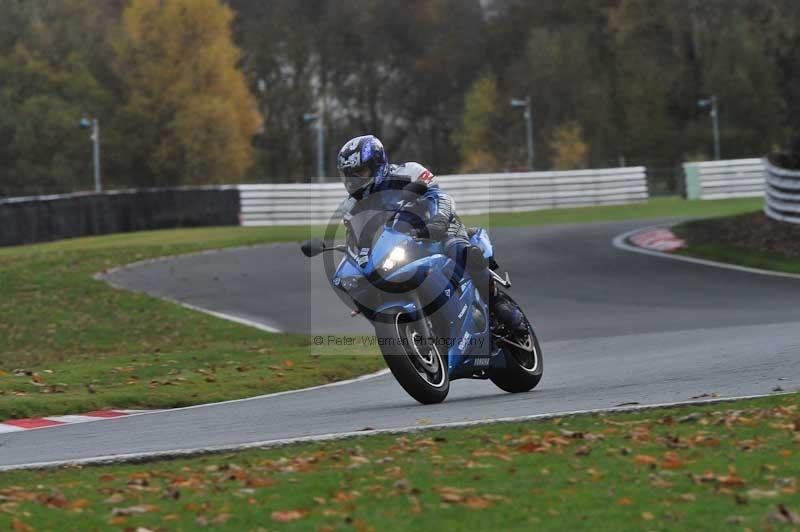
<point>306,203</point>
<point>782,200</point>
<point>43,218</point>
<point>735,178</point>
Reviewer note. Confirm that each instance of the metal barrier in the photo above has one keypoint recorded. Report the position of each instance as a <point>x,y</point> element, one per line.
<point>735,178</point>
<point>291,204</point>
<point>782,200</point>
<point>43,218</point>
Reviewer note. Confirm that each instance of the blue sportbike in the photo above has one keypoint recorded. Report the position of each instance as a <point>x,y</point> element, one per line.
<point>430,322</point>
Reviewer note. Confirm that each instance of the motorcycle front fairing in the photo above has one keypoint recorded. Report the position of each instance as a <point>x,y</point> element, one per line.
<point>423,278</point>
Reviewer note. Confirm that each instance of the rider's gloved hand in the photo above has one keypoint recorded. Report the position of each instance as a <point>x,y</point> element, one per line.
<point>437,226</point>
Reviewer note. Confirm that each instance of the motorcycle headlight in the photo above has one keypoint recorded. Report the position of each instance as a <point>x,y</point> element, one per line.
<point>397,256</point>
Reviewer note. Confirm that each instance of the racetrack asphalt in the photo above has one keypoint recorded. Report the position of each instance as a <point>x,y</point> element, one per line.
<point>616,327</point>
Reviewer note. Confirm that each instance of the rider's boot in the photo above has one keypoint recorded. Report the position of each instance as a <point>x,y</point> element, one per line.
<point>505,313</point>
<point>500,310</point>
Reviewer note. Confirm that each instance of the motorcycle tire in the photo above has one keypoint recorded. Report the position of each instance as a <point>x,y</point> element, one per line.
<point>419,368</point>
<point>524,363</point>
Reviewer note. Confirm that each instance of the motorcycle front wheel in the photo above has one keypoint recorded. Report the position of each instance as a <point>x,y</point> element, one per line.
<point>415,361</point>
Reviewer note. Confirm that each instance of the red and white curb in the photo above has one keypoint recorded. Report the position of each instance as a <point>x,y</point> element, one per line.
<point>659,239</point>
<point>627,242</point>
<point>16,425</point>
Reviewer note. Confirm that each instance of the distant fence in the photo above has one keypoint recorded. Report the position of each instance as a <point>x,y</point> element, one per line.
<point>44,218</point>
<point>782,200</point>
<point>305,203</point>
<point>735,178</point>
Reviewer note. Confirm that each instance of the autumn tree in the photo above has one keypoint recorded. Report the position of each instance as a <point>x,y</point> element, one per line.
<point>188,116</point>
<point>569,150</point>
<point>50,76</point>
<point>395,68</point>
<point>473,136</point>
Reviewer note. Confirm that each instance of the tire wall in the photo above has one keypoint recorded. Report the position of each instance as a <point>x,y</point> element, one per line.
<point>45,218</point>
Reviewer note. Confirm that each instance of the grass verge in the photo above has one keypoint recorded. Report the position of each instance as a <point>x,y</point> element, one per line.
<point>661,207</point>
<point>751,240</point>
<point>70,344</point>
<point>705,468</point>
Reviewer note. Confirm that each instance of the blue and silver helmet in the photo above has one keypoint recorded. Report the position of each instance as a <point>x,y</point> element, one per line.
<point>362,161</point>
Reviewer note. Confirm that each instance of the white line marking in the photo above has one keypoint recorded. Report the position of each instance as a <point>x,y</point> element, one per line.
<point>221,315</point>
<point>103,276</point>
<point>224,316</point>
<point>137,413</point>
<point>72,419</point>
<point>9,428</point>
<point>177,453</point>
<point>621,242</point>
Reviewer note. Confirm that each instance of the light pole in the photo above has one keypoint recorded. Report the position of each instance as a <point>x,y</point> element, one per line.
<point>320,127</point>
<point>713,112</point>
<point>94,124</point>
<point>526,105</point>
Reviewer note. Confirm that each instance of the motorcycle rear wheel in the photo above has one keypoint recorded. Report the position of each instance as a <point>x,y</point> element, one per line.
<point>524,361</point>
<point>419,366</point>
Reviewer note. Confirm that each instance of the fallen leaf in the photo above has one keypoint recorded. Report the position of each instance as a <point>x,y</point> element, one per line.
<point>449,496</point>
<point>785,515</point>
<point>671,461</point>
<point>647,516</point>
<point>260,482</point>
<point>640,434</point>
<point>134,510</point>
<point>624,501</point>
<point>583,450</point>
<point>344,496</point>
<point>19,526</point>
<point>402,484</point>
<point>477,503</point>
<point>644,459</point>
<point>221,519</point>
<point>78,505</point>
<point>759,494</point>
<point>730,480</point>
<point>287,516</point>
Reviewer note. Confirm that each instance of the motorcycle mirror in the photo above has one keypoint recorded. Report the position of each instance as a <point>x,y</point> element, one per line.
<point>312,247</point>
<point>414,190</point>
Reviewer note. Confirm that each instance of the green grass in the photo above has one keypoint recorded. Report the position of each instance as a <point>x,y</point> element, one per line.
<point>752,259</point>
<point>749,240</point>
<point>713,467</point>
<point>661,207</point>
<point>69,343</point>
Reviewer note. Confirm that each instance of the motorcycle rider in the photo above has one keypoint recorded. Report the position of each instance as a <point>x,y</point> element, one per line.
<point>365,170</point>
